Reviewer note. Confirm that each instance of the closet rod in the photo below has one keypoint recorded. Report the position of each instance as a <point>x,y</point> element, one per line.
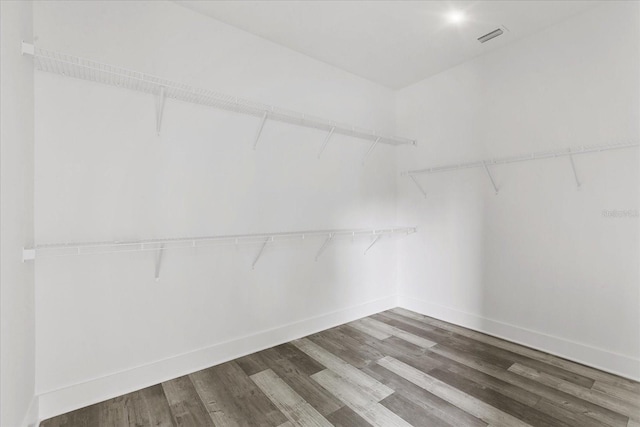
<point>523,158</point>
<point>87,248</point>
<point>85,69</point>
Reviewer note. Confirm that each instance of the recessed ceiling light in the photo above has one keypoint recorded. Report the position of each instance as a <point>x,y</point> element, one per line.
<point>456,16</point>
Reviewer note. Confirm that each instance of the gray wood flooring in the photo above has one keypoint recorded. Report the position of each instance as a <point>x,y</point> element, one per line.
<point>395,368</point>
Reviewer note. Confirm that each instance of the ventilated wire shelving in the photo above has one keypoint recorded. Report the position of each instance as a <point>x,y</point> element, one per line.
<point>85,69</point>
<point>106,247</point>
<point>161,88</point>
<point>161,245</point>
<point>485,164</point>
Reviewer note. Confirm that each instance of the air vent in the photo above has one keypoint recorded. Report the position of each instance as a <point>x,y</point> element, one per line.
<point>492,35</point>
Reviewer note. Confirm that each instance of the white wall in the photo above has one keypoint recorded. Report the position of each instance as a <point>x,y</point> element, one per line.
<point>104,326</point>
<point>537,263</point>
<point>17,318</point>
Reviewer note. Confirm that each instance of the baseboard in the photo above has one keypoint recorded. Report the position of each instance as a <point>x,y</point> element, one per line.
<point>56,402</point>
<point>76,396</point>
<point>31,417</point>
<point>598,358</point>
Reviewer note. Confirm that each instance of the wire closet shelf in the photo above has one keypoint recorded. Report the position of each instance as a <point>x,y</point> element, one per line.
<point>105,247</point>
<point>85,69</point>
<point>523,158</point>
<point>485,164</point>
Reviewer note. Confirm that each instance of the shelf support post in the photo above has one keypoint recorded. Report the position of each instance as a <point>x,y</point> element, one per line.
<point>160,108</point>
<point>373,243</point>
<point>159,261</point>
<point>415,181</point>
<point>326,141</point>
<point>486,169</point>
<point>264,245</point>
<point>324,245</point>
<point>370,149</point>
<point>575,173</point>
<point>264,119</point>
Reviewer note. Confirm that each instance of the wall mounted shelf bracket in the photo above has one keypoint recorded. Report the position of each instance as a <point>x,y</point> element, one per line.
<point>159,261</point>
<point>493,183</point>
<point>160,98</point>
<point>370,149</point>
<point>264,245</point>
<point>326,141</point>
<point>378,237</point>
<point>575,173</point>
<point>324,245</point>
<point>262,122</point>
<point>415,181</point>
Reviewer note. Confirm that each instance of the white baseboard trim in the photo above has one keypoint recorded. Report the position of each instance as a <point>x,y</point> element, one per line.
<point>32,415</point>
<point>76,396</point>
<point>598,358</point>
<point>60,401</point>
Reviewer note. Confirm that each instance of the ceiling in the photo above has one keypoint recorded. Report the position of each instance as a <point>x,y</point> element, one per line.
<point>393,43</point>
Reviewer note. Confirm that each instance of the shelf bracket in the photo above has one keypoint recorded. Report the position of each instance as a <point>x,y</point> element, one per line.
<point>575,173</point>
<point>324,245</point>
<point>28,254</point>
<point>486,169</point>
<point>160,98</point>
<point>264,119</point>
<point>373,243</point>
<point>159,261</point>
<point>326,141</point>
<point>370,149</point>
<point>415,181</point>
<point>264,245</point>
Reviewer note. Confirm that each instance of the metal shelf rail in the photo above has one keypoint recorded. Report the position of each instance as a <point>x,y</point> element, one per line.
<point>85,69</point>
<point>484,164</point>
<point>160,245</point>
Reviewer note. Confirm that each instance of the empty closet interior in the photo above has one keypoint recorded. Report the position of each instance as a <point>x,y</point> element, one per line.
<point>186,183</point>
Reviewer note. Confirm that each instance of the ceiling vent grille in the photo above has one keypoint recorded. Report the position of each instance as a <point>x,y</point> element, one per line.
<point>492,35</point>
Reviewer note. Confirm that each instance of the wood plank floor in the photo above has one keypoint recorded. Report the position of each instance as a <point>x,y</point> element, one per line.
<point>395,368</point>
